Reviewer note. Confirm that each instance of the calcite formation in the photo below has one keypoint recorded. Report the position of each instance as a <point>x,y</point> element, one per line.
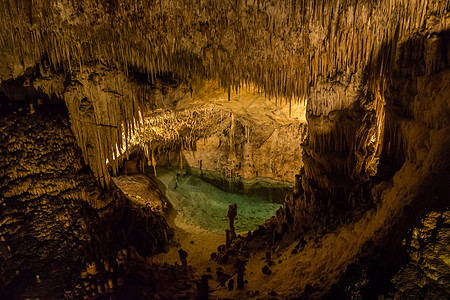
<point>139,80</point>
<point>284,48</point>
<point>102,120</point>
<point>212,138</point>
<point>142,191</point>
<point>54,218</point>
<point>428,272</point>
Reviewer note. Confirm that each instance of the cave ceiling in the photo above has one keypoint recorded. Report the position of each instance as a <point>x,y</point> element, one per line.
<point>104,57</point>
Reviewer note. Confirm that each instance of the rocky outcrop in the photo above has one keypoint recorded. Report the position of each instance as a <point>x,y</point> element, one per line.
<point>427,276</point>
<point>54,218</point>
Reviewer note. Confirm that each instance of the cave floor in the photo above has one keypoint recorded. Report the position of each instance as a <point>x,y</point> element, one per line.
<point>199,216</point>
<point>320,261</point>
<point>191,223</point>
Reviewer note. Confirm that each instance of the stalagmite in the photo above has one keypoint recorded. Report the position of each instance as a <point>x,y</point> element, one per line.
<point>228,239</point>
<point>183,257</point>
<point>232,213</point>
<point>181,159</point>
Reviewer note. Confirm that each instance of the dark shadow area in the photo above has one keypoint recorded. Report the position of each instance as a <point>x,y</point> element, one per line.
<point>371,275</point>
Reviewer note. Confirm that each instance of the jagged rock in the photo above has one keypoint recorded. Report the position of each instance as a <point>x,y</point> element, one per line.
<point>47,191</point>
<point>428,274</point>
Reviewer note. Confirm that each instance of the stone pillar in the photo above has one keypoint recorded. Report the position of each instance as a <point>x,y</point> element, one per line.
<point>344,119</point>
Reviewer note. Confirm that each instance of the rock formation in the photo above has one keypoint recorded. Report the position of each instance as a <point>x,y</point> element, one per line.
<point>91,89</point>
<point>55,219</point>
<point>232,213</point>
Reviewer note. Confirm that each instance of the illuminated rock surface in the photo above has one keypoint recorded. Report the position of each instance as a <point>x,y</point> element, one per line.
<point>346,100</point>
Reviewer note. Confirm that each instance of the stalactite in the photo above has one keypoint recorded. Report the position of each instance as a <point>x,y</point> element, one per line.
<point>232,130</point>
<point>159,58</point>
<point>335,36</point>
<point>154,162</point>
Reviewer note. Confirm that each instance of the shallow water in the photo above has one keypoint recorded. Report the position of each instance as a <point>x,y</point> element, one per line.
<point>202,205</point>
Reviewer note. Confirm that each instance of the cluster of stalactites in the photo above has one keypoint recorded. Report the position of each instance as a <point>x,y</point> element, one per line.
<point>105,113</point>
<point>283,47</point>
<point>110,144</point>
<point>175,131</point>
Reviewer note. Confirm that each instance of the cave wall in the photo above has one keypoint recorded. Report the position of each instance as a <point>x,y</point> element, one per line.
<point>242,134</point>
<point>415,152</point>
<point>403,120</point>
<point>416,102</point>
<point>413,170</point>
<point>55,220</point>
<point>357,119</point>
<point>402,236</point>
<point>264,150</point>
<point>44,224</point>
<point>426,275</point>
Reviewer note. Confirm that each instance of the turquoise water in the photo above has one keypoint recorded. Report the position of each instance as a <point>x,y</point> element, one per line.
<point>202,205</point>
